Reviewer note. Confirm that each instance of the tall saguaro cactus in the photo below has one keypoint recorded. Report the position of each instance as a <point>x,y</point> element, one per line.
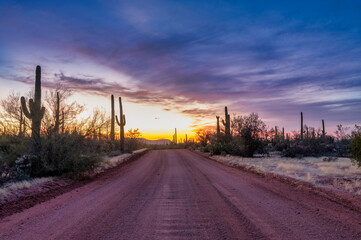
<point>35,112</point>
<point>121,122</point>
<point>218,128</point>
<point>301,125</point>
<point>112,120</point>
<point>227,125</point>
<point>323,128</point>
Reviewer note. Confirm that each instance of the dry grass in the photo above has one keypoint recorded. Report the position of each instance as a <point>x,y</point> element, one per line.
<point>109,162</point>
<point>341,173</point>
<point>11,187</point>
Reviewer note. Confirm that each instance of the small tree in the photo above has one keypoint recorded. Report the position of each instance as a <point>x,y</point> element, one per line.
<point>203,136</point>
<point>132,142</point>
<point>250,129</point>
<point>68,110</point>
<point>11,114</point>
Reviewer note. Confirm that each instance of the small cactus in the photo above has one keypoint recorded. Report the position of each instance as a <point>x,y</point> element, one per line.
<point>323,128</point>
<point>35,112</point>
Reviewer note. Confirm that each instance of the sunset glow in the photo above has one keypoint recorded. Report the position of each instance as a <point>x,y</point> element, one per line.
<point>177,65</point>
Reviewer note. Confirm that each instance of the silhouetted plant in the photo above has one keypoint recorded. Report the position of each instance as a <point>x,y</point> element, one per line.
<point>121,122</point>
<point>227,125</point>
<point>35,113</point>
<point>112,119</point>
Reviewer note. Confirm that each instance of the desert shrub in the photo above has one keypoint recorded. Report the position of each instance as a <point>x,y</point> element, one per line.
<point>65,154</point>
<point>235,147</point>
<point>355,145</point>
<point>132,141</point>
<point>215,148</point>
<point>315,147</point>
<point>295,150</point>
<point>13,147</point>
<point>132,144</point>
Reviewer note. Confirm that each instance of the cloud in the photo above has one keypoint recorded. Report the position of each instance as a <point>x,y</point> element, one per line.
<point>274,59</point>
<point>199,113</point>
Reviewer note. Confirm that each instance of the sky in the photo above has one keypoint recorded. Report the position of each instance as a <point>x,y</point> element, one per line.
<point>178,63</point>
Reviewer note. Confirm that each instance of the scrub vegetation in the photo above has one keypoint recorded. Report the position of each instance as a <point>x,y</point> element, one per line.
<point>42,136</point>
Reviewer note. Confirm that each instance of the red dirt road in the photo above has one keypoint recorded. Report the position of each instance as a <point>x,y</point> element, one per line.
<point>176,194</point>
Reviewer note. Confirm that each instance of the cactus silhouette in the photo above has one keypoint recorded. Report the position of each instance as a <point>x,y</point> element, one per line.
<point>121,122</point>
<point>323,128</point>
<point>301,126</point>
<point>112,121</point>
<point>218,128</point>
<point>35,112</point>
<point>227,125</point>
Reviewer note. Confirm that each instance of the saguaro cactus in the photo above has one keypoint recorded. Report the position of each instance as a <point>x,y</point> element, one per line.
<point>227,125</point>
<point>112,120</point>
<point>301,126</point>
<point>57,114</point>
<point>218,127</point>
<point>35,112</point>
<point>283,133</point>
<point>186,139</point>
<point>121,122</point>
<point>323,128</point>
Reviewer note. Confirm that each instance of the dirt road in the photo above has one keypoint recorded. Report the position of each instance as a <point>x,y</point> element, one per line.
<point>176,194</point>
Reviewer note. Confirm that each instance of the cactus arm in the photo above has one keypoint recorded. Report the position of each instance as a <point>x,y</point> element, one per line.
<point>25,109</point>
<point>31,107</point>
<point>124,120</point>
<point>223,122</point>
<point>116,118</point>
